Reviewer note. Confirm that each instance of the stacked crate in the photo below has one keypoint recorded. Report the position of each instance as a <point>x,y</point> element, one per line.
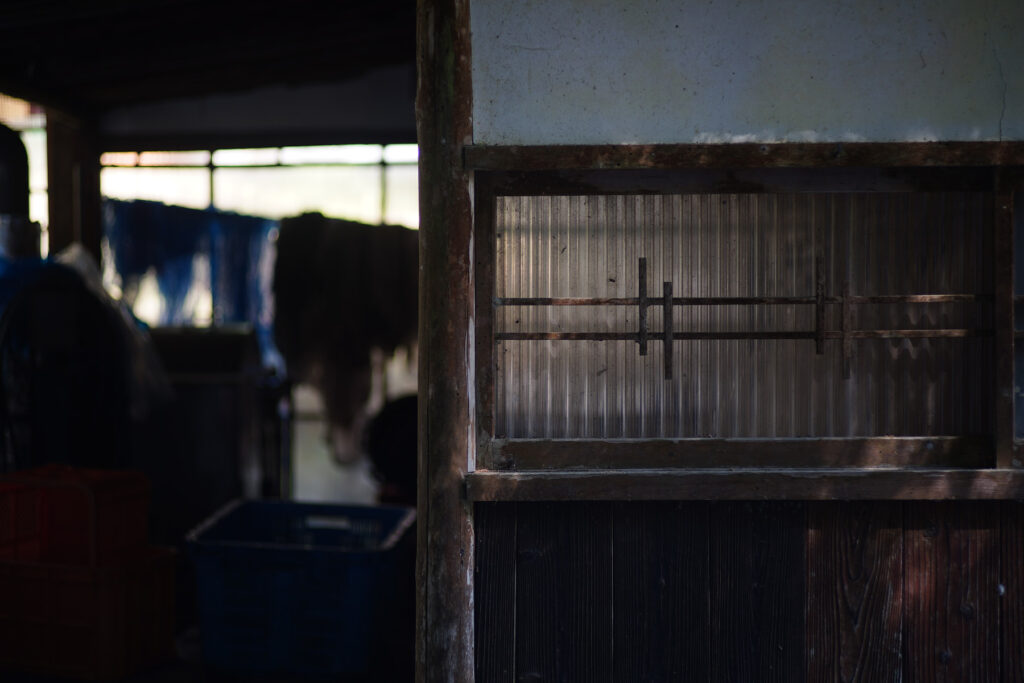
<point>82,592</point>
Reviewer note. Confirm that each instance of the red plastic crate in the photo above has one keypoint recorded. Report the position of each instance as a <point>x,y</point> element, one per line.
<point>88,622</point>
<point>19,521</point>
<point>84,516</point>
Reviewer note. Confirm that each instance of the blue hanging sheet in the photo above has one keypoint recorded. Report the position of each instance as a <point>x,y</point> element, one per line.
<point>145,235</point>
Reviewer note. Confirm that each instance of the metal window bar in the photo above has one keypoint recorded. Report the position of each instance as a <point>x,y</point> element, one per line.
<point>819,334</point>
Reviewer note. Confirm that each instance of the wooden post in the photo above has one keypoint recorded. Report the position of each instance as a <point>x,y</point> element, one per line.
<point>444,563</point>
<point>73,179</point>
<point>1003,337</point>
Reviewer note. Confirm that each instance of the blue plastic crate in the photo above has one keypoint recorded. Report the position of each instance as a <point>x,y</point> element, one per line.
<point>300,588</point>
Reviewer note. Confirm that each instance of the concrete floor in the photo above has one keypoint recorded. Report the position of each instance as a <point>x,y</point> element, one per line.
<point>186,668</point>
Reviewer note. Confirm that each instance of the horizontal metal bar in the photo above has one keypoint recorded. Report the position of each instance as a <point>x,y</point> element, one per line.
<point>743,300</point>
<point>571,301</point>
<point>796,334</point>
<point>571,336</point>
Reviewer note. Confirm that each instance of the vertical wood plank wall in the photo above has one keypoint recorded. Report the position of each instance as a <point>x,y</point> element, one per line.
<point>665,591</point>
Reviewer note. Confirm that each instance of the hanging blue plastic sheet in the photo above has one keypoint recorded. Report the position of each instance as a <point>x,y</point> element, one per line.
<point>170,241</point>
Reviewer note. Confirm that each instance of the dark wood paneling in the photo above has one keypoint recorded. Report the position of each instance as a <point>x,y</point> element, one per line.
<point>757,566</point>
<point>734,591</point>
<point>495,602</point>
<point>563,629</point>
<point>661,603</point>
<point>1011,591</point>
<point>854,592</point>
<point>952,582</point>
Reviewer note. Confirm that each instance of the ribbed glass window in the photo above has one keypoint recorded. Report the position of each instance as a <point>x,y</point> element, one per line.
<point>744,245</point>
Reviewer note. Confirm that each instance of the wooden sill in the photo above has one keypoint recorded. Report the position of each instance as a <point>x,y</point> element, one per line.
<point>747,484</point>
<point>863,453</point>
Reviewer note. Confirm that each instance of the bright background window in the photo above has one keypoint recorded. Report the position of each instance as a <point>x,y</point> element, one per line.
<point>365,183</point>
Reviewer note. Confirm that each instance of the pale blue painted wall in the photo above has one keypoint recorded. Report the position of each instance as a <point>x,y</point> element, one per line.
<point>644,71</point>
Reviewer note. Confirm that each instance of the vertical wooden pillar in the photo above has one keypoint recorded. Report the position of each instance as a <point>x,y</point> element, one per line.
<point>444,563</point>
<point>73,178</point>
<point>1004,326</point>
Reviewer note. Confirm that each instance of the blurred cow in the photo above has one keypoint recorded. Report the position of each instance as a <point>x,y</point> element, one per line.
<point>341,290</point>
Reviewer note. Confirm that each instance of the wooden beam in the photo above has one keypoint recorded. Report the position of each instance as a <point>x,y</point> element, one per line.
<point>444,564</point>
<point>888,451</point>
<point>73,178</point>
<point>747,484</point>
<point>747,155</point>
<point>271,138</point>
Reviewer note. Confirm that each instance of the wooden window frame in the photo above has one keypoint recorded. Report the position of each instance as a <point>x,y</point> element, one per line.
<point>885,467</point>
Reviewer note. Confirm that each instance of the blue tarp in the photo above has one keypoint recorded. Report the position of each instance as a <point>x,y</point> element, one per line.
<point>145,235</point>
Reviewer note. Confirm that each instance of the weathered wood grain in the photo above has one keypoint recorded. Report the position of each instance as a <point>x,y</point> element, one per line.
<point>747,484</point>
<point>757,566</point>
<point>495,596</point>
<point>444,562</point>
<point>564,593</point>
<point>661,603</point>
<point>726,179</point>
<point>1002,257</point>
<point>854,592</point>
<point>751,155</point>
<point>484,248</point>
<point>1011,591</point>
<point>952,592</point>
<point>893,451</point>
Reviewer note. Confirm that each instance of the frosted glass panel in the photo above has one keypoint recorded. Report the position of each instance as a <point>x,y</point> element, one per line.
<point>743,246</point>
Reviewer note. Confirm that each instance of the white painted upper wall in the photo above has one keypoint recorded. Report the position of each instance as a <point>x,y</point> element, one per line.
<point>644,71</point>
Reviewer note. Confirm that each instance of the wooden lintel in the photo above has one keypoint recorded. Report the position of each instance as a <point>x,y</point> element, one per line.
<point>233,139</point>
<point>745,155</point>
<point>748,484</point>
<point>564,454</point>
